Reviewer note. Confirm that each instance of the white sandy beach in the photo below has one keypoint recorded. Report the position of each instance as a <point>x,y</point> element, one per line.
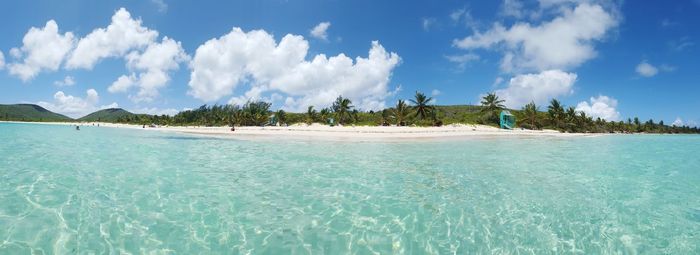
<point>318,131</point>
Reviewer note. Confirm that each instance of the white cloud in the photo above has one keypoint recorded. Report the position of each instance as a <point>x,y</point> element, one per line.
<point>678,122</point>
<point>647,70</point>
<point>539,88</point>
<point>121,36</point>
<point>2,61</point>
<point>554,3</point>
<point>156,111</point>
<point>464,16</point>
<point>255,58</point>
<point>122,84</point>
<point>512,8</point>
<point>497,82</point>
<point>320,31</point>
<point>463,60</point>
<point>435,93</point>
<point>42,49</point>
<point>153,66</point>
<point>600,107</point>
<point>75,107</point>
<point>428,23</point>
<point>67,81</point>
<point>162,6</point>
<point>564,42</point>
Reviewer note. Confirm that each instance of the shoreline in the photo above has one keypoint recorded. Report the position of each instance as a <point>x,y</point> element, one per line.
<point>350,133</point>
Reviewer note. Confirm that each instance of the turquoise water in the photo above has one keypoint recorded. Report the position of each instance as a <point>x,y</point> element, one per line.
<point>104,190</point>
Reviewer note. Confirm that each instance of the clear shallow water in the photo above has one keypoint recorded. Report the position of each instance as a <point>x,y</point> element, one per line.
<point>103,190</point>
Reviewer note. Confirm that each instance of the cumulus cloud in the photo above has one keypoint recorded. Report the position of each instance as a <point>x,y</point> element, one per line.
<point>564,42</point>
<point>67,81</point>
<point>42,49</point>
<point>678,122</point>
<point>153,66</point>
<point>255,58</point>
<point>320,31</point>
<point>647,70</point>
<point>122,84</point>
<point>538,88</point>
<point>600,107</point>
<point>73,106</point>
<point>121,36</point>
<point>2,61</point>
<point>148,60</point>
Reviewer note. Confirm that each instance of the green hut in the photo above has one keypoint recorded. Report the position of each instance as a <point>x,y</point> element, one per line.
<point>272,120</point>
<point>507,120</point>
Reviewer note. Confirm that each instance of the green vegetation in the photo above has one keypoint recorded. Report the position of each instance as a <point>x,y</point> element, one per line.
<point>491,108</point>
<point>400,113</point>
<point>29,112</point>
<point>420,112</point>
<point>108,115</point>
<point>342,108</point>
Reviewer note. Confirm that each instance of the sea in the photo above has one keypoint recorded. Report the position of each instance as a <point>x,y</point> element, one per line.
<point>107,190</point>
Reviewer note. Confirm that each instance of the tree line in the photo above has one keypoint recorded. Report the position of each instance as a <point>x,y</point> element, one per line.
<point>417,111</point>
<point>567,119</point>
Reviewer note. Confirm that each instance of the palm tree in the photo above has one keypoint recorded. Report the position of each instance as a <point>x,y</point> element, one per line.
<point>570,119</point>
<point>400,113</point>
<point>492,106</point>
<point>637,124</point>
<point>421,105</point>
<point>256,113</point>
<point>311,115</point>
<point>555,110</point>
<point>342,107</point>
<point>530,115</point>
<point>386,114</point>
<point>238,116</point>
<point>436,119</point>
<point>325,114</point>
<point>281,117</point>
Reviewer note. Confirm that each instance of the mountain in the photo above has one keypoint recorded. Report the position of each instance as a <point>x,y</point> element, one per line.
<point>29,112</point>
<point>107,115</point>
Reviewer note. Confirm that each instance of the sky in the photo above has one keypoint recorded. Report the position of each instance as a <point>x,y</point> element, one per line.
<point>611,59</point>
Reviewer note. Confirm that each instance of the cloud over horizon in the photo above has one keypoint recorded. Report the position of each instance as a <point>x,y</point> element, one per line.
<point>603,107</point>
<point>538,88</point>
<point>73,106</point>
<point>256,59</point>
<point>540,54</point>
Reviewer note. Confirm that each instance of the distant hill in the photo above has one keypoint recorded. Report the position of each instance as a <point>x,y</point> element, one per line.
<point>29,112</point>
<point>107,115</point>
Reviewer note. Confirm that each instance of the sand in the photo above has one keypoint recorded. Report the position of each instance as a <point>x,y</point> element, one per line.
<point>352,133</point>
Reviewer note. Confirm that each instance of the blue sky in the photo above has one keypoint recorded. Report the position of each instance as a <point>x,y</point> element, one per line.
<point>608,58</point>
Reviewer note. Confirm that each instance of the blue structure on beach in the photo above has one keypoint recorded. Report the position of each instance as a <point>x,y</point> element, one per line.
<point>507,120</point>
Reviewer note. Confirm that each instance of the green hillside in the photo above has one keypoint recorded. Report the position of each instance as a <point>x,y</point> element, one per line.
<point>29,112</point>
<point>108,115</point>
